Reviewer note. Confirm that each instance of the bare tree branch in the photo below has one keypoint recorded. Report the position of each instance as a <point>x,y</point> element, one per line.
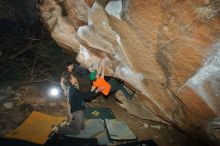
<point>28,46</point>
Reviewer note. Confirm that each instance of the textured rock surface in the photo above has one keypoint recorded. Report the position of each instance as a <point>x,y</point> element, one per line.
<point>166,50</point>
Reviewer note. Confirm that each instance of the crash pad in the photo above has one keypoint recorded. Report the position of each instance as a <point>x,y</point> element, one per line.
<point>99,113</point>
<point>36,128</point>
<point>94,128</point>
<point>119,130</point>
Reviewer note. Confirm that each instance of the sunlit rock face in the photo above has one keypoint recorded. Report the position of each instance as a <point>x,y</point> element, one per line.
<point>169,51</point>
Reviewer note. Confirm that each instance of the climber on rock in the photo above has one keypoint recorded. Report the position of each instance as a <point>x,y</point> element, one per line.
<point>104,83</point>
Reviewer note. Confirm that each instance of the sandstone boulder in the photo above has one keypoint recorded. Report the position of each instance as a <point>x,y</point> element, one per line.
<point>167,50</point>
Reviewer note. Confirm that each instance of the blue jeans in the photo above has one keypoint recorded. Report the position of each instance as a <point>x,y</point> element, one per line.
<point>116,85</point>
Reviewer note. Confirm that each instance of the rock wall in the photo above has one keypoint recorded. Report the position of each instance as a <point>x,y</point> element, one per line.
<point>168,50</point>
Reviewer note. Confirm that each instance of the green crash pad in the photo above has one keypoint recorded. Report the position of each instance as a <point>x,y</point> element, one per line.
<point>119,131</point>
<point>99,113</point>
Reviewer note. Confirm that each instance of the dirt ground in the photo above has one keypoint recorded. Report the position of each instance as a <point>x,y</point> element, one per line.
<point>22,100</point>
